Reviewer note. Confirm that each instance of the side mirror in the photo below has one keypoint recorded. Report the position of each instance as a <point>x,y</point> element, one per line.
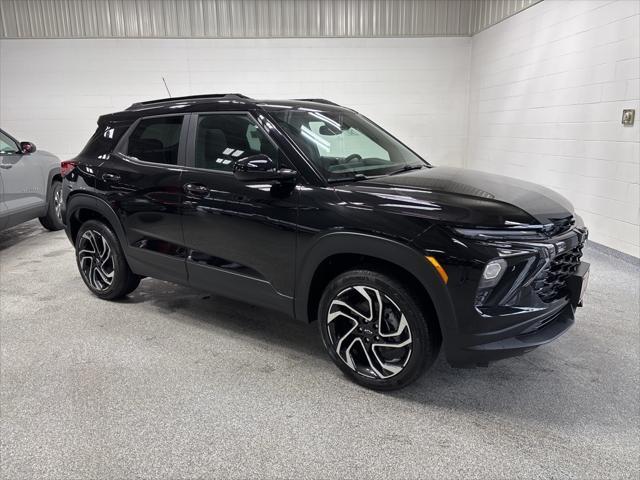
<point>27,147</point>
<point>261,168</point>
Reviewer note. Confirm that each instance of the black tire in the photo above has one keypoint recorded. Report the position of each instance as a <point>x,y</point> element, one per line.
<point>113,278</point>
<point>395,300</point>
<point>53,219</point>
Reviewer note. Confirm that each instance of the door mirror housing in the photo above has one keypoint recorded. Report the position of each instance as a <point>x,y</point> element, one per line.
<point>261,168</point>
<point>27,147</point>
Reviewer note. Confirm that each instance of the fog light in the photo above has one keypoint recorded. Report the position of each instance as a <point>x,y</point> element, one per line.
<point>492,273</point>
<point>493,269</point>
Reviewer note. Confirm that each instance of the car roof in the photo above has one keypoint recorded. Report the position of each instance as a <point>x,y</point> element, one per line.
<point>216,102</point>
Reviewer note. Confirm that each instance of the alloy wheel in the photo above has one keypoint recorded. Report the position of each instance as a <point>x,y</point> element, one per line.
<point>57,203</point>
<point>369,332</point>
<point>96,260</point>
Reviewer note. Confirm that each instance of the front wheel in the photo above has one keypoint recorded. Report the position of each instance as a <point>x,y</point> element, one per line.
<point>53,219</point>
<point>101,262</point>
<point>375,331</point>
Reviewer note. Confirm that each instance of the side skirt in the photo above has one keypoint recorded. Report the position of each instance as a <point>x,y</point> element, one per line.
<point>237,286</point>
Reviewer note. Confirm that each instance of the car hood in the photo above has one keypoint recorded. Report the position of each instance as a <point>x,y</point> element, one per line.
<point>461,196</point>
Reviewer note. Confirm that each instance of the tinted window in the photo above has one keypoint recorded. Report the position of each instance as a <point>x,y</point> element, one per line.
<point>7,145</point>
<point>104,139</point>
<point>222,139</point>
<point>156,140</point>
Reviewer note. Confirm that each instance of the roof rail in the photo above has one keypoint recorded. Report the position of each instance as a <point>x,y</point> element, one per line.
<point>189,97</point>
<point>317,100</point>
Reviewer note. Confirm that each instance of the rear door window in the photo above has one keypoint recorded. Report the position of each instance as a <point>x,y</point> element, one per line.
<point>156,140</point>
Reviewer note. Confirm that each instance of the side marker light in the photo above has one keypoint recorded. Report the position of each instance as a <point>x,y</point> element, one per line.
<point>439,269</point>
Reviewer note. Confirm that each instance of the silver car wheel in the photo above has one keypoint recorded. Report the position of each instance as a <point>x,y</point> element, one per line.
<point>57,203</point>
<point>369,332</point>
<point>96,260</point>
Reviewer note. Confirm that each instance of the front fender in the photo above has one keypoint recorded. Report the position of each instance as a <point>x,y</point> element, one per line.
<point>54,170</point>
<point>391,251</point>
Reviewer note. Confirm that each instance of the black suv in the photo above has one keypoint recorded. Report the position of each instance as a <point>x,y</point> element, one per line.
<point>311,209</point>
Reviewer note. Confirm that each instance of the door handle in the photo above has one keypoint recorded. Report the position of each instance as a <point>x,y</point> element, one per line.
<point>5,166</point>
<point>110,177</point>
<point>196,189</point>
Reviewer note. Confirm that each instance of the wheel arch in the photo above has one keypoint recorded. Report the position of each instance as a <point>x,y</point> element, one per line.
<point>349,250</point>
<point>82,207</point>
<point>54,175</point>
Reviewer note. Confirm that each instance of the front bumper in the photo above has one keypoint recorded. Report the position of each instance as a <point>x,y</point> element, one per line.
<point>523,337</point>
<point>514,341</point>
<point>528,318</point>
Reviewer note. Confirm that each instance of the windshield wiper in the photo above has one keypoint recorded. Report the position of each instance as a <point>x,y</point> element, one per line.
<point>353,178</point>
<point>406,168</point>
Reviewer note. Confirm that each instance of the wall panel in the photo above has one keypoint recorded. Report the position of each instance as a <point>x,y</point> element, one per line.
<point>547,91</point>
<point>415,87</point>
<point>250,18</point>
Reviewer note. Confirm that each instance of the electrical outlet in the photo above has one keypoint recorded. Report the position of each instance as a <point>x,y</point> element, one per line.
<point>628,115</point>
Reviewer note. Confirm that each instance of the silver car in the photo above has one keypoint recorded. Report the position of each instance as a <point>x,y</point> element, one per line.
<point>30,185</point>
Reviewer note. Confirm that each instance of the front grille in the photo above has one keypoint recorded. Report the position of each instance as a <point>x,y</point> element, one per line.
<point>551,282</point>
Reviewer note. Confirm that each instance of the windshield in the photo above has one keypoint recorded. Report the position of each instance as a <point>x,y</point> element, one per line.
<point>344,145</point>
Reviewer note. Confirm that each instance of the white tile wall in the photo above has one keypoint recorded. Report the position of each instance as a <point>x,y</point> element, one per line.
<point>548,87</point>
<point>52,91</point>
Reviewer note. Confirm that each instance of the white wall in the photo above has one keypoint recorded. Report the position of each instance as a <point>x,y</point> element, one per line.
<point>52,91</point>
<point>548,87</point>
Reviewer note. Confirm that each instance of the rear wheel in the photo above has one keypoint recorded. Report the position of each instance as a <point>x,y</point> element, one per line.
<point>375,331</point>
<point>101,262</point>
<point>53,219</point>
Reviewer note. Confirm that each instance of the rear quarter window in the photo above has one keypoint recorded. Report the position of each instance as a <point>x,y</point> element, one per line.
<point>103,141</point>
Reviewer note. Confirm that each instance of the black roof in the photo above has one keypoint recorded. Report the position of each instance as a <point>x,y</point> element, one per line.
<point>173,100</point>
<point>213,102</point>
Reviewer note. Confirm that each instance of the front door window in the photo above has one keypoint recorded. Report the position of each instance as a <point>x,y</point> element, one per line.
<point>223,139</point>
<point>7,145</point>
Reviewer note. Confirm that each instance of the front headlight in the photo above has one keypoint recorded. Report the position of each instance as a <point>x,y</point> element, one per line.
<point>533,233</point>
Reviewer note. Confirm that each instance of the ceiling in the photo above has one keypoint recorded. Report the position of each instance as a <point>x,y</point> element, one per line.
<point>250,18</point>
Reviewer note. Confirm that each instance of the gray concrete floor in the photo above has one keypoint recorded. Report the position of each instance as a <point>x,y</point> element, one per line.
<point>174,383</point>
